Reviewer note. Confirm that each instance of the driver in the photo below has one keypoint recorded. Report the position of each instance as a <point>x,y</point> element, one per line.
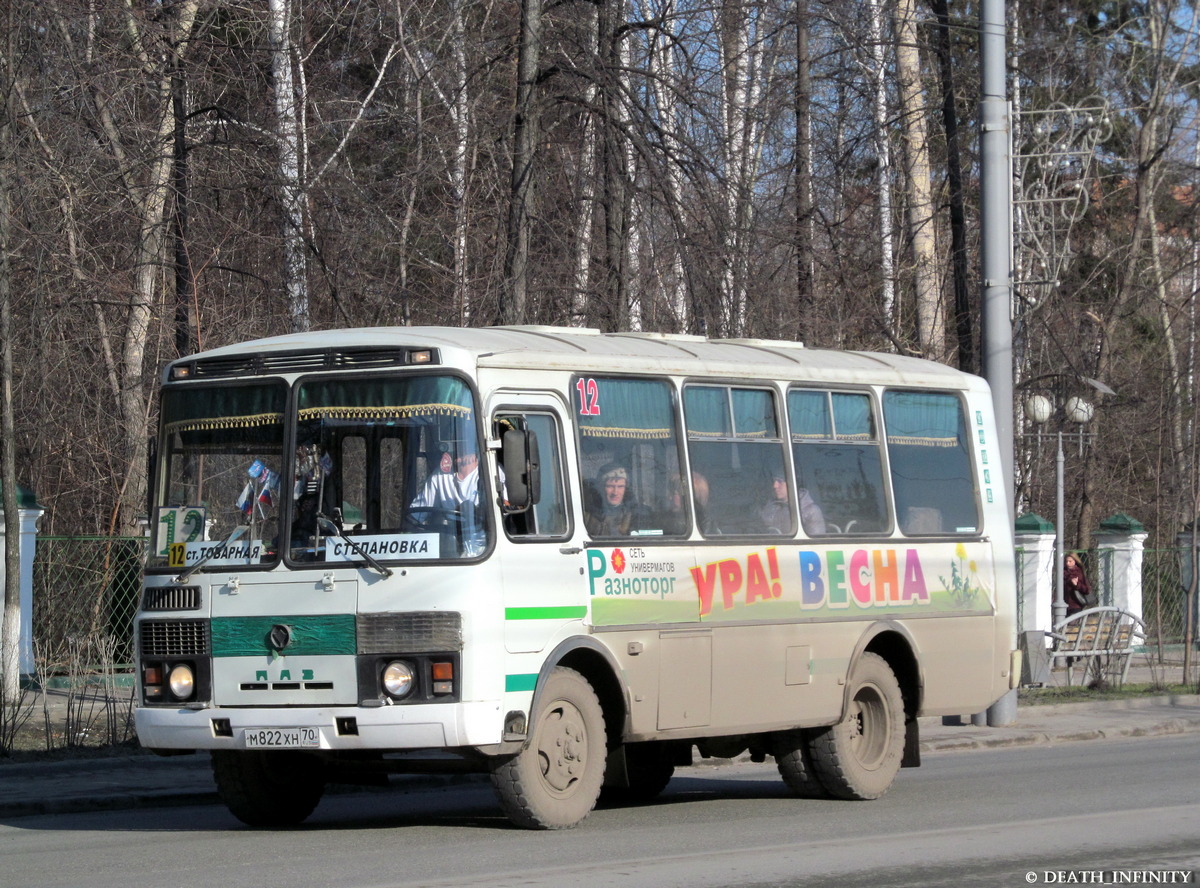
<point>449,490</point>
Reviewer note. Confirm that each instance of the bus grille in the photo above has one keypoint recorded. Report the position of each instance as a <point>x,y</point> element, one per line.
<point>417,632</point>
<point>174,638</point>
<point>171,598</point>
<point>300,362</point>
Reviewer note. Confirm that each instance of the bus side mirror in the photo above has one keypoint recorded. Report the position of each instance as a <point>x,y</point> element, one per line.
<point>522,470</point>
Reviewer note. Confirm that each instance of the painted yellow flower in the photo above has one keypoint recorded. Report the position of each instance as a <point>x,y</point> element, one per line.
<point>961,551</point>
<point>974,567</point>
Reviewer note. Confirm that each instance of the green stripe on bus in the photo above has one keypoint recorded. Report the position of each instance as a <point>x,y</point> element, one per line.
<point>520,682</point>
<point>545,613</point>
<point>312,635</point>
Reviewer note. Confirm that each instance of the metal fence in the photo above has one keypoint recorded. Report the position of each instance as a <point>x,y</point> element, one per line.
<point>86,588</point>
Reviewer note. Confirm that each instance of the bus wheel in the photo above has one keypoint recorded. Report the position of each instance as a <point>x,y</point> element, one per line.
<point>793,757</point>
<point>553,783</point>
<point>859,756</point>
<point>268,788</point>
<point>649,770</point>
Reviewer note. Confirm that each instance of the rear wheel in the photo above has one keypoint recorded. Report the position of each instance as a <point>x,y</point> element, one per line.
<point>858,758</point>
<point>553,783</point>
<point>793,757</point>
<point>269,788</point>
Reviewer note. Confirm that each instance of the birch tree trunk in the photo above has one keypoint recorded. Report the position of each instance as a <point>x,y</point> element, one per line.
<point>665,83</point>
<point>585,211</point>
<point>149,258</point>
<point>525,138</point>
<point>10,652</point>
<point>883,166</point>
<point>931,333</point>
<point>805,261</point>
<point>291,189</point>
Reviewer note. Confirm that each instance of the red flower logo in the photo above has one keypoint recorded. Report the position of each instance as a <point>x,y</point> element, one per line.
<point>618,561</point>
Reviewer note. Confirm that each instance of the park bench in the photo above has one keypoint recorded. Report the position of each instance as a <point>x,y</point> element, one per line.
<point>1103,638</point>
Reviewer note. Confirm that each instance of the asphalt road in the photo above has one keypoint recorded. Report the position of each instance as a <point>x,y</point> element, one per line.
<point>1004,817</point>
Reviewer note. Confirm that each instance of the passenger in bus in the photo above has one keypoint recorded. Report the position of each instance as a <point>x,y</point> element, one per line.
<point>617,513</point>
<point>776,514</point>
<point>700,493</point>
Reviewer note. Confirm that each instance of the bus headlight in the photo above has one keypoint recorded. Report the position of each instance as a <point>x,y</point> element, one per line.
<point>182,681</point>
<point>398,678</point>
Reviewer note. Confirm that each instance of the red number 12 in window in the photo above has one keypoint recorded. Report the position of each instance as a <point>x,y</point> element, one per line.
<point>589,397</point>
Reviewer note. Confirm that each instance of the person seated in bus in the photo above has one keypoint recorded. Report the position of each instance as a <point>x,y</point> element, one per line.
<point>776,515</point>
<point>449,490</point>
<point>700,494</point>
<point>676,522</point>
<point>617,513</point>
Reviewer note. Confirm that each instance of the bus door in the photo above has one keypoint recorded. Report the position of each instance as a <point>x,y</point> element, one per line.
<point>542,564</point>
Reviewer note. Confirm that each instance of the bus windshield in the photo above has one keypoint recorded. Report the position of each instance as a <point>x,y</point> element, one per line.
<point>379,469</point>
<point>220,462</point>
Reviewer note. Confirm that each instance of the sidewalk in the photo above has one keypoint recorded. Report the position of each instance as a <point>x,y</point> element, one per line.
<point>149,781</point>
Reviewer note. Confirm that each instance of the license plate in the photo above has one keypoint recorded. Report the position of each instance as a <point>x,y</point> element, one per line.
<point>282,738</point>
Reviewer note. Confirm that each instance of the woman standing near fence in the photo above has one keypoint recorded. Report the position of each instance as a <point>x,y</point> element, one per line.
<point>1077,592</point>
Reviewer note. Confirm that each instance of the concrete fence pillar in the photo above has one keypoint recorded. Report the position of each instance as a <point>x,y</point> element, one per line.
<point>30,512</point>
<point>1035,572</point>
<point>1120,550</point>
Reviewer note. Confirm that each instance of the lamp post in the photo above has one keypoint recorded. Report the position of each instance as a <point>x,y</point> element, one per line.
<point>1076,410</point>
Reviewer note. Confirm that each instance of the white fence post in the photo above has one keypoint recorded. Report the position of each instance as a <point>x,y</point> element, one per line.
<point>1120,549</point>
<point>29,512</point>
<point>1035,540</point>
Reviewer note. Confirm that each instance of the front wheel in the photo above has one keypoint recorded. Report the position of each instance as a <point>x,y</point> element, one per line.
<point>278,788</point>
<point>858,758</point>
<point>553,783</point>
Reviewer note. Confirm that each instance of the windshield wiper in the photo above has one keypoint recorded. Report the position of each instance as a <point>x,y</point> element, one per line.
<point>331,529</point>
<point>186,575</point>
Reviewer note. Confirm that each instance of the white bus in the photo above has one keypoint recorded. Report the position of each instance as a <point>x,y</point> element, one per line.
<point>573,560</point>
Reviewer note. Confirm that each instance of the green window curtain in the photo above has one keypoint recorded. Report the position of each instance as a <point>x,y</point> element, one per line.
<point>706,412</point>
<point>852,417</point>
<point>930,419</point>
<point>368,400</point>
<point>198,410</point>
<point>638,409</point>
<point>754,414</point>
<point>808,414</point>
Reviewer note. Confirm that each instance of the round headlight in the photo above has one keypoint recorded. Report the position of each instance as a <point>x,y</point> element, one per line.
<point>397,678</point>
<point>182,681</point>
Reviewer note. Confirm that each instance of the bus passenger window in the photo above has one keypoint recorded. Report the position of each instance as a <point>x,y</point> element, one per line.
<point>739,476</point>
<point>629,457</point>
<point>930,456</point>
<point>839,467</point>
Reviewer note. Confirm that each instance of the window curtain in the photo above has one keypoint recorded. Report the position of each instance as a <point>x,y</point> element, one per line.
<point>929,419</point>
<point>629,408</point>
<point>385,399</point>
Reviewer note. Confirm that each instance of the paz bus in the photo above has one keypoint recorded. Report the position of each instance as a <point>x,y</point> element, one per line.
<point>573,560</point>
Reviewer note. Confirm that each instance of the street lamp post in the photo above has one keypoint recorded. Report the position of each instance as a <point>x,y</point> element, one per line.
<point>1041,409</point>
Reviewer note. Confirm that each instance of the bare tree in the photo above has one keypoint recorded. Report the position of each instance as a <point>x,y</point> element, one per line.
<point>931,336</point>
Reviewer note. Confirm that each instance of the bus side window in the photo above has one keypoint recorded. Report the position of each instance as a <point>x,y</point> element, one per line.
<point>929,450</point>
<point>547,518</point>
<point>737,453</point>
<point>839,465</point>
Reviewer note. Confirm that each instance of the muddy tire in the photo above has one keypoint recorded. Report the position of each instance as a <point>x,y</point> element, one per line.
<point>553,783</point>
<point>649,771</point>
<point>269,789</point>
<point>793,757</point>
<point>858,758</point>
